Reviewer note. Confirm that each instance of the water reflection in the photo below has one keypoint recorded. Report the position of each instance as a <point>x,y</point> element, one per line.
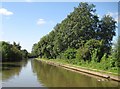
<point>10,69</point>
<point>52,76</point>
<point>32,73</point>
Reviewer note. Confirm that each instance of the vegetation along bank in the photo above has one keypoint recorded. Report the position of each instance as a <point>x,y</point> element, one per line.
<point>12,52</point>
<point>80,69</point>
<point>82,39</point>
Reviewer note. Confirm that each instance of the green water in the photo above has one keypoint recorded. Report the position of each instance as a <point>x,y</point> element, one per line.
<point>32,73</point>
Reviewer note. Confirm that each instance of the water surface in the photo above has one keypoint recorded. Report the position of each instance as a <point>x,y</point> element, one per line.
<point>32,73</point>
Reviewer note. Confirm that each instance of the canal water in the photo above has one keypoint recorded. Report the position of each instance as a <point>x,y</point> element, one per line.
<point>33,73</point>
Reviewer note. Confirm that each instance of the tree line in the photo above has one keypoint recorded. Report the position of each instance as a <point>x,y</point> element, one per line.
<point>81,37</point>
<point>12,52</point>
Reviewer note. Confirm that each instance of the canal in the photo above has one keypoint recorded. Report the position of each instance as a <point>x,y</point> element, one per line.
<point>31,73</point>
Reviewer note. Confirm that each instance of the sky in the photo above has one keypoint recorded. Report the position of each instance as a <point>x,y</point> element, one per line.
<point>26,22</point>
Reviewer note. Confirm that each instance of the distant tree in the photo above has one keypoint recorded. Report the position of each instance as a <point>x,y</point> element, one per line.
<point>12,52</point>
<point>24,53</point>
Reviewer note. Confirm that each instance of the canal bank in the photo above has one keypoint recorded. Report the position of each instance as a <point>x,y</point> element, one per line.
<point>71,67</point>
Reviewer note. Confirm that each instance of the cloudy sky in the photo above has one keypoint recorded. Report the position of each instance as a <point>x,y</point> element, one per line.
<point>26,22</point>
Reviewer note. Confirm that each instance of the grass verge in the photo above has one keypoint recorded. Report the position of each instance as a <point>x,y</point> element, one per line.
<point>91,67</point>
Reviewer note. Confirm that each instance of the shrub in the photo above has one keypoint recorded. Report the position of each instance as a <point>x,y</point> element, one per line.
<point>94,57</point>
<point>82,54</point>
<point>69,54</point>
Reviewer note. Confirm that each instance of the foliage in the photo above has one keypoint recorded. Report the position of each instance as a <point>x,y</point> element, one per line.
<point>12,52</point>
<point>82,38</point>
<point>90,50</point>
<point>94,56</point>
<point>82,54</point>
<point>69,54</point>
<point>106,32</point>
<point>116,53</point>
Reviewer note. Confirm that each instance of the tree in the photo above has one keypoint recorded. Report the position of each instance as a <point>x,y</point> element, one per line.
<point>72,32</point>
<point>116,52</point>
<point>6,51</point>
<point>24,53</point>
<point>12,52</point>
<point>91,48</point>
<point>34,50</point>
<point>106,31</point>
<point>81,30</point>
<point>69,54</point>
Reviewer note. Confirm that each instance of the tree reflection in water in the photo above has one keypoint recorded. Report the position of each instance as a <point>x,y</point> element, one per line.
<point>11,69</point>
<point>51,76</point>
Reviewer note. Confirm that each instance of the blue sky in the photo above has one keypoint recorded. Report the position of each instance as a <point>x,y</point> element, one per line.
<point>27,22</point>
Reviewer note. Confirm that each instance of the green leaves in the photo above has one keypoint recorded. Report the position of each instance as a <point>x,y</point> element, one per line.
<point>81,30</point>
<point>69,54</point>
<point>12,52</point>
<point>106,31</point>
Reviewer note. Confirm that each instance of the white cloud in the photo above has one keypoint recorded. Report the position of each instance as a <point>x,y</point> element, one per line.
<point>28,0</point>
<point>114,15</point>
<point>4,11</point>
<point>41,22</point>
<point>117,18</point>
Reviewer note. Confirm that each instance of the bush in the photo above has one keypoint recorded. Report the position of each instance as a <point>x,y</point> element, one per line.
<point>82,54</point>
<point>106,64</point>
<point>94,57</point>
<point>69,54</point>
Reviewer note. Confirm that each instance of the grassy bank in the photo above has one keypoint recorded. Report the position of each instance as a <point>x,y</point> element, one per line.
<point>86,66</point>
